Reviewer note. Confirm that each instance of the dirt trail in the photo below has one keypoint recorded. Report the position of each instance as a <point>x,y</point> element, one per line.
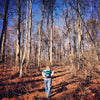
<point>58,83</point>
<point>65,86</point>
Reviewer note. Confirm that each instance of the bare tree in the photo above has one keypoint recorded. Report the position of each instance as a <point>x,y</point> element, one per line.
<point>51,33</point>
<point>79,27</point>
<point>29,35</point>
<point>39,34</point>
<point>4,29</point>
<point>24,57</point>
<point>74,40</point>
<point>18,35</point>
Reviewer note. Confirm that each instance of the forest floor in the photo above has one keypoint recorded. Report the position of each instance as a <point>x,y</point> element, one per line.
<point>65,86</point>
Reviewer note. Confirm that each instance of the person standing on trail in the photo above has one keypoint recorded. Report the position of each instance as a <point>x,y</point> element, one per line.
<point>47,74</point>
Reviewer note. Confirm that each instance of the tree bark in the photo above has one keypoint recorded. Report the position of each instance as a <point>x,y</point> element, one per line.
<point>18,35</point>
<point>51,33</point>
<point>24,57</point>
<point>29,35</point>
<point>69,43</point>
<point>39,38</point>
<point>4,29</point>
<point>79,27</point>
<point>79,30</point>
<point>39,47</point>
<point>74,40</point>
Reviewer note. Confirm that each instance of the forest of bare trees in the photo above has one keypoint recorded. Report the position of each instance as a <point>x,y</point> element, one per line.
<point>49,32</point>
<point>38,33</point>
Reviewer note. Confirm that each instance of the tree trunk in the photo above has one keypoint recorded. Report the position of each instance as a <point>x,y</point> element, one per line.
<point>74,40</point>
<point>39,38</point>
<point>79,36</point>
<point>60,51</point>
<point>68,32</point>
<point>48,44</point>
<point>56,54</point>
<point>79,30</point>
<point>22,45</point>
<point>51,33</point>
<point>3,34</point>
<point>39,47</point>
<point>29,35</point>
<point>24,57</point>
<point>18,35</point>
<point>69,43</point>
<point>48,50</point>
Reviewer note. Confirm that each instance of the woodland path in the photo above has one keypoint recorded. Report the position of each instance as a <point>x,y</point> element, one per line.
<point>65,86</point>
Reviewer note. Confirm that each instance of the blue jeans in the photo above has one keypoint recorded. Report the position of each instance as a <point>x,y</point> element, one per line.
<point>47,86</point>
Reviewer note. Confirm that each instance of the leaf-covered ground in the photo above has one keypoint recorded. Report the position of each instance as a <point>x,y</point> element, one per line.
<point>65,86</point>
